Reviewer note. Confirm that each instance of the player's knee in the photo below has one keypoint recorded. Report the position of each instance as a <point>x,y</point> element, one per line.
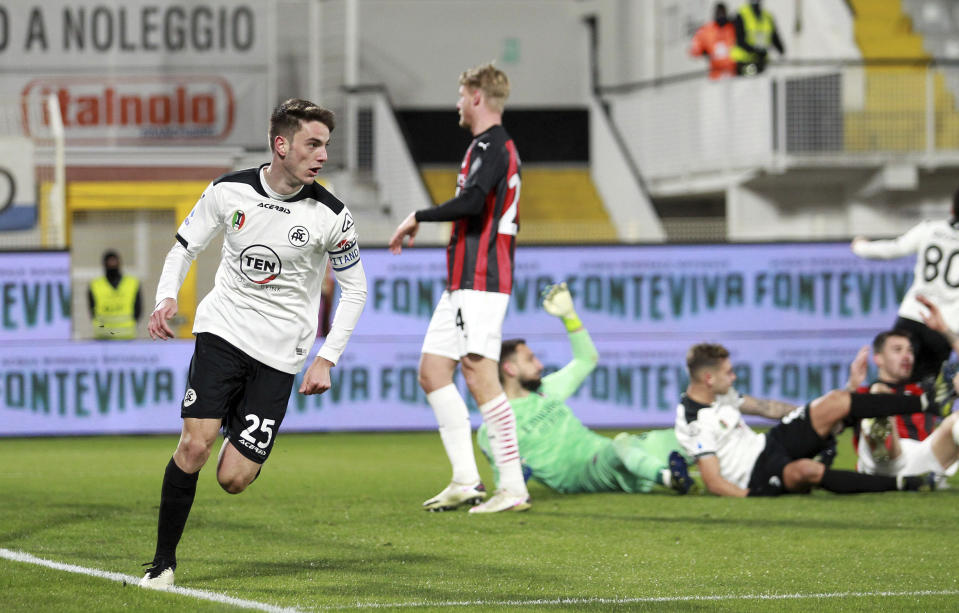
<point>834,405</point>
<point>839,400</point>
<point>427,381</point>
<point>194,452</point>
<point>232,484</point>
<point>800,474</point>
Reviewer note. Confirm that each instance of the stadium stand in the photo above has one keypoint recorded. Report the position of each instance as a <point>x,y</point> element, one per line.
<point>893,115</point>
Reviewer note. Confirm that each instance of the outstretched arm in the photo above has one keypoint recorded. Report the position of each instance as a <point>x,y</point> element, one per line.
<point>764,407</point>
<point>468,202</point>
<point>563,383</point>
<point>888,249</point>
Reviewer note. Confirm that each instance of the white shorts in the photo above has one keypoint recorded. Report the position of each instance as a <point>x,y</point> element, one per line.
<point>467,321</point>
<point>916,458</point>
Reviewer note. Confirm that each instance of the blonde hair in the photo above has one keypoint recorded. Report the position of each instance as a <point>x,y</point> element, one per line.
<point>492,81</point>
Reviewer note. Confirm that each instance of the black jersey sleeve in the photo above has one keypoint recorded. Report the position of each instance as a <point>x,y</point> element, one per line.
<point>469,202</point>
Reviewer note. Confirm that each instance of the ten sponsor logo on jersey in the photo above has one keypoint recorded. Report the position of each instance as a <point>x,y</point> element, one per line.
<point>260,264</point>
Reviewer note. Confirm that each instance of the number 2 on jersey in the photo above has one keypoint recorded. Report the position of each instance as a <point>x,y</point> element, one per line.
<point>507,223</point>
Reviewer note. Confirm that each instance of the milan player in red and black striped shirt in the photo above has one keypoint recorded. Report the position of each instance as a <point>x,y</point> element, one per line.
<point>466,327</point>
<point>905,444</point>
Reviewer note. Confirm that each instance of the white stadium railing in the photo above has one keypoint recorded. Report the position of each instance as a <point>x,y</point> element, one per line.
<point>809,113</point>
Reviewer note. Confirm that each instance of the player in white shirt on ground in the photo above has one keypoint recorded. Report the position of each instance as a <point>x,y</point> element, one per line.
<point>882,447</point>
<point>734,460</point>
<point>256,327</point>
<point>936,276</point>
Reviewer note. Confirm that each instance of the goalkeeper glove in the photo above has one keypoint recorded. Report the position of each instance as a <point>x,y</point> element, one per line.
<point>558,302</point>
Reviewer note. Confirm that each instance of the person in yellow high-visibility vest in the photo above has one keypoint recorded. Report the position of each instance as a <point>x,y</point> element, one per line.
<point>114,301</point>
<point>755,33</point>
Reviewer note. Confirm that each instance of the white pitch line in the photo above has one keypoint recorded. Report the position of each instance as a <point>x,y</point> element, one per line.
<point>19,556</point>
<point>639,600</point>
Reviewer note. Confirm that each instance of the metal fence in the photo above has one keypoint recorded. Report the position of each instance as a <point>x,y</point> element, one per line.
<point>808,113</point>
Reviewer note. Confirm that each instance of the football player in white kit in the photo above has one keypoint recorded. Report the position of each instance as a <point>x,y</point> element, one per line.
<point>735,460</point>
<point>936,276</point>
<point>258,323</point>
<point>889,446</point>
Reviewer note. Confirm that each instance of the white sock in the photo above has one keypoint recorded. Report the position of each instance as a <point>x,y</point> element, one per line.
<point>667,477</point>
<point>501,431</point>
<point>454,422</point>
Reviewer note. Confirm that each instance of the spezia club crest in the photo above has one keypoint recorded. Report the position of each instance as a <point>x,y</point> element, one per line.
<point>238,218</point>
<point>298,236</point>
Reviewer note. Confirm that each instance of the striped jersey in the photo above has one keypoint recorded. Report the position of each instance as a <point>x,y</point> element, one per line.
<point>915,426</point>
<point>480,252</point>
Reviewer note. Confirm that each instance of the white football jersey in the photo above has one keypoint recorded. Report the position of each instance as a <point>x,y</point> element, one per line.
<point>266,296</point>
<point>936,275</point>
<point>718,429</point>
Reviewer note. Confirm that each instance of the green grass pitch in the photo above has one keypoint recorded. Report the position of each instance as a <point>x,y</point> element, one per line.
<point>334,523</point>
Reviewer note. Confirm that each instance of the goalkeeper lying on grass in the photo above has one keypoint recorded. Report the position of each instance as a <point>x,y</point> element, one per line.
<point>555,447</point>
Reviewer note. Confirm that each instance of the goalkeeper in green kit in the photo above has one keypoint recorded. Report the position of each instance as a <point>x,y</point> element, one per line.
<point>555,447</point>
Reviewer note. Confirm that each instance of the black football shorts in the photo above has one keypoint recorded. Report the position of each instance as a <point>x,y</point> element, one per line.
<point>249,396</point>
<point>791,439</point>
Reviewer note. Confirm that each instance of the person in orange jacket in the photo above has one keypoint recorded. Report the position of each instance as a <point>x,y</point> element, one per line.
<point>715,40</point>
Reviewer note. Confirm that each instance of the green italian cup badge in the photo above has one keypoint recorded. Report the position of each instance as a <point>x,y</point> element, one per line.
<point>238,218</point>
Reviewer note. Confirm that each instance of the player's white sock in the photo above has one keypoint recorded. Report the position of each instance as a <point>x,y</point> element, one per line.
<point>454,422</point>
<point>666,477</point>
<point>501,431</point>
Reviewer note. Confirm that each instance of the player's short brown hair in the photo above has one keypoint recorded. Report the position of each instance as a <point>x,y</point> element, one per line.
<point>704,355</point>
<point>508,350</point>
<point>879,342</point>
<point>286,118</point>
<point>492,81</point>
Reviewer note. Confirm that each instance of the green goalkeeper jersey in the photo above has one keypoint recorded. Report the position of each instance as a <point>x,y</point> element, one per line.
<point>559,451</point>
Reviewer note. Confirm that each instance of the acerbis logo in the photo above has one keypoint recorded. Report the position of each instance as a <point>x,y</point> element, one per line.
<point>274,207</point>
<point>260,264</point>
<point>298,236</point>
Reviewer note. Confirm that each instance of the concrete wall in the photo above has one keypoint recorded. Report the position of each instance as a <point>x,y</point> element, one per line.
<point>823,204</point>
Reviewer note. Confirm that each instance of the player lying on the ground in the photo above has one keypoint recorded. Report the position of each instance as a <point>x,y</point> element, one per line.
<point>735,460</point>
<point>555,448</point>
<point>899,445</point>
